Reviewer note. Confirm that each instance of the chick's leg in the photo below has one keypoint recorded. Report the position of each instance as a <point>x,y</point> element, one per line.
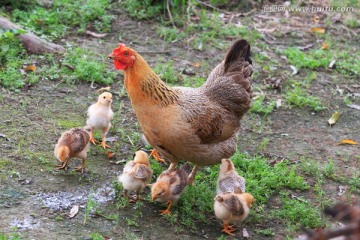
<point>155,154</point>
<point>82,166</point>
<point>228,229</point>
<point>167,210</point>
<point>103,138</point>
<point>192,175</point>
<point>62,166</point>
<point>92,139</point>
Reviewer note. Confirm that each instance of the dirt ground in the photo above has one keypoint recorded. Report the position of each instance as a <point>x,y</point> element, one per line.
<point>35,199</point>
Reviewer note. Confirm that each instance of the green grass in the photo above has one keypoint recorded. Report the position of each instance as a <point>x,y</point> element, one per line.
<point>299,98</point>
<point>64,15</point>
<point>260,106</point>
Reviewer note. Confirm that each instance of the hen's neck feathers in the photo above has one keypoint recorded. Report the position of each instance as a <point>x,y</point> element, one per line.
<point>142,83</point>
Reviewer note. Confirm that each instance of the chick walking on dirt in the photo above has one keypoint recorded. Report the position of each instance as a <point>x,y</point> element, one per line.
<point>99,117</point>
<point>73,144</point>
<point>136,174</point>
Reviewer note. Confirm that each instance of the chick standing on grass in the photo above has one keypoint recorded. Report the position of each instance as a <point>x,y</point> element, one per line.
<point>232,207</point>
<point>229,179</point>
<point>136,174</point>
<point>73,143</point>
<point>169,186</point>
<point>99,117</point>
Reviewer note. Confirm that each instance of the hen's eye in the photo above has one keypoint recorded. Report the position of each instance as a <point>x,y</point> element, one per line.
<point>126,53</point>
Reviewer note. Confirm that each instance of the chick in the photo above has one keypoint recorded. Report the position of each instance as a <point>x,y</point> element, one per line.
<point>136,174</point>
<point>73,143</point>
<point>232,207</point>
<point>229,179</point>
<point>169,186</point>
<point>99,117</point>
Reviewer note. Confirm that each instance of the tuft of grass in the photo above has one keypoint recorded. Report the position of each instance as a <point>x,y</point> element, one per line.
<point>298,213</point>
<point>96,236</point>
<point>86,68</point>
<point>313,60</point>
<point>261,107</point>
<point>55,22</point>
<point>299,98</point>
<point>166,72</point>
<point>170,34</point>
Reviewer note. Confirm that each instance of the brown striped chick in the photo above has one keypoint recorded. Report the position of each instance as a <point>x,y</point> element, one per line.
<point>169,186</point>
<point>232,207</point>
<point>229,179</point>
<point>99,117</point>
<point>73,144</point>
<point>136,174</point>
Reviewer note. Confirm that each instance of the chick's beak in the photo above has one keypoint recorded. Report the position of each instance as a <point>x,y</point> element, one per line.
<point>153,197</point>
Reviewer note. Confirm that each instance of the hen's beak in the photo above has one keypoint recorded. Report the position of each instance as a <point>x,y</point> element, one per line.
<point>153,198</point>
<point>112,56</point>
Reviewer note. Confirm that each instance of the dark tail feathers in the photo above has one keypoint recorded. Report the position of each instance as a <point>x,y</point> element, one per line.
<point>240,49</point>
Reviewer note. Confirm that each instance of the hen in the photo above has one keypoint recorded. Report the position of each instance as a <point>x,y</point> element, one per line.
<point>229,179</point>
<point>169,186</point>
<point>198,125</point>
<point>232,207</point>
<point>99,117</point>
<point>136,174</point>
<point>73,144</point>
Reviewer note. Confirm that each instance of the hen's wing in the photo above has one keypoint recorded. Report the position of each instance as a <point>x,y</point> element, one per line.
<point>232,88</point>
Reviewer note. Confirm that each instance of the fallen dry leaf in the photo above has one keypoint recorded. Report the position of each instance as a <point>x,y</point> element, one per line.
<point>110,155</point>
<point>245,233</point>
<point>324,46</point>
<point>30,68</point>
<point>74,210</point>
<point>103,89</point>
<point>342,190</point>
<point>334,118</point>
<point>354,106</point>
<point>97,35</point>
<point>332,64</point>
<point>317,30</point>
<point>294,69</point>
<point>197,64</point>
<point>347,141</point>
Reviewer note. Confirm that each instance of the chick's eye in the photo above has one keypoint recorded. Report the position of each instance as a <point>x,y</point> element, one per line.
<point>104,97</point>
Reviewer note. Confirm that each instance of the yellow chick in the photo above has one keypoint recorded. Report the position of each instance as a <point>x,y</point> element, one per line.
<point>136,174</point>
<point>73,144</point>
<point>229,179</point>
<point>232,207</point>
<point>169,186</point>
<point>99,117</point>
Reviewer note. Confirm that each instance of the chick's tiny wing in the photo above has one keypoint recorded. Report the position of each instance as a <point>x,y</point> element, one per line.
<point>79,140</point>
<point>128,168</point>
<point>142,172</point>
<point>233,203</point>
<point>229,184</point>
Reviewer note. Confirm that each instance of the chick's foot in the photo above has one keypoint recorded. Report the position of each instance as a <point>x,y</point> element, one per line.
<point>228,230</point>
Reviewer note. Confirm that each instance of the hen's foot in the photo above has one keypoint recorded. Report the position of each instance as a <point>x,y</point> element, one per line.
<point>155,154</point>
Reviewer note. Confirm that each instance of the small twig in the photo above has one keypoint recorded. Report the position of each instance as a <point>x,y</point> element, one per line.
<point>169,12</point>
<point>245,14</point>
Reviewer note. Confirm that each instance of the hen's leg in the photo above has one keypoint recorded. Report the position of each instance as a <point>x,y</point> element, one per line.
<point>103,138</point>
<point>155,154</point>
<point>172,166</point>
<point>167,210</point>
<point>192,175</point>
